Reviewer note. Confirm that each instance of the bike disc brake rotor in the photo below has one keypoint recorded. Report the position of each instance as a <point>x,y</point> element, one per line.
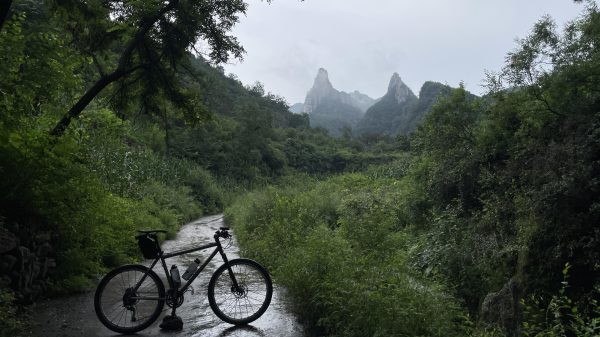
<point>239,292</point>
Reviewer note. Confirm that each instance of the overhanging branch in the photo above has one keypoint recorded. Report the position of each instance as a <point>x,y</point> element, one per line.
<point>123,69</point>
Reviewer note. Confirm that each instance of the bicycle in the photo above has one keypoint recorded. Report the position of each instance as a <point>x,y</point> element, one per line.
<point>131,297</point>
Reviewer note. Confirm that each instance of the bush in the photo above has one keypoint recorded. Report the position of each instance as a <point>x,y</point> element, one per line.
<point>340,247</point>
<point>560,316</point>
<point>10,325</point>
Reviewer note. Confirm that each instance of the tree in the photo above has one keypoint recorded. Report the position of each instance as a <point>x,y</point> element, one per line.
<point>151,39</point>
<point>4,8</point>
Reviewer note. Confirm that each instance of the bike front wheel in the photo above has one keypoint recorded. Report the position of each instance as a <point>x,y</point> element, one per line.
<point>245,302</point>
<point>125,305</point>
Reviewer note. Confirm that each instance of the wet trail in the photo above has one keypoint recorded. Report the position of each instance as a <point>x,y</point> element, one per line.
<point>74,316</point>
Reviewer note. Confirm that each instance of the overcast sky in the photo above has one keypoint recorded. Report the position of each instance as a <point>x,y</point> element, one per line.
<point>362,43</point>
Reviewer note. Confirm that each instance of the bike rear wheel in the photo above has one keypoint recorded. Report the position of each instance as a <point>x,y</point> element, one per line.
<point>122,308</point>
<point>245,303</point>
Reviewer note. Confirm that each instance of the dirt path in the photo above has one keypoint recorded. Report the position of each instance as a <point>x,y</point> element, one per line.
<point>74,316</point>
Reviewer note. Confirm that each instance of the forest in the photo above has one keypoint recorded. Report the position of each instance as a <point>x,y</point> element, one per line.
<point>485,217</point>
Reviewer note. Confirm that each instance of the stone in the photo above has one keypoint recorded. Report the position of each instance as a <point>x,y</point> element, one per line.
<point>8,241</point>
<point>400,91</point>
<point>332,109</point>
<point>44,250</point>
<point>43,237</point>
<point>502,309</point>
<point>7,263</point>
<point>5,281</point>
<point>323,90</point>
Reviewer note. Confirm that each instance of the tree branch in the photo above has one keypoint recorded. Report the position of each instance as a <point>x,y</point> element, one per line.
<point>89,95</point>
<point>122,70</point>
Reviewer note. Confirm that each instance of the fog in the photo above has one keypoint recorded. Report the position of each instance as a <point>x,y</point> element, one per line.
<point>361,43</point>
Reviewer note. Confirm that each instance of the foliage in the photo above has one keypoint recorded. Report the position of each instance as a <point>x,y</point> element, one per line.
<point>340,246</point>
<point>140,46</point>
<point>484,190</point>
<point>387,116</point>
<point>334,116</point>
<point>10,325</point>
<point>492,187</point>
<point>561,316</point>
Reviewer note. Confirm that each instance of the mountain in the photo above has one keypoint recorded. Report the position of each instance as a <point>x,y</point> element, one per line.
<point>393,113</point>
<point>332,109</point>
<point>399,111</point>
<point>297,108</point>
<point>430,93</point>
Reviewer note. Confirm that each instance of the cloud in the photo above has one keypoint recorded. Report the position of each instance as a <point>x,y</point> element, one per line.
<point>361,43</point>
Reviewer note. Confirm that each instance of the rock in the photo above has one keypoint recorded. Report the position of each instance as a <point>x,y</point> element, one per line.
<point>5,281</point>
<point>24,256</point>
<point>43,237</point>
<point>397,89</point>
<point>323,90</point>
<point>332,109</point>
<point>394,114</point>
<point>8,241</point>
<point>14,279</point>
<point>44,250</point>
<point>502,308</point>
<point>7,263</point>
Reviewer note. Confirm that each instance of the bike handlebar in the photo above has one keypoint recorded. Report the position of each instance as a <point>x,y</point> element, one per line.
<point>223,233</point>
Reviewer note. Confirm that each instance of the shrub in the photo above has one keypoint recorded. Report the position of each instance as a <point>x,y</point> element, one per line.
<point>341,248</point>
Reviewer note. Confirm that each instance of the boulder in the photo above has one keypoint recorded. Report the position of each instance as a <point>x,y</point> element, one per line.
<point>502,309</point>
<point>7,263</point>
<point>8,241</point>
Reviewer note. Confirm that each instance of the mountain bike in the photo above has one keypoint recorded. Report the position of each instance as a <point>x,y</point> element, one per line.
<point>130,298</point>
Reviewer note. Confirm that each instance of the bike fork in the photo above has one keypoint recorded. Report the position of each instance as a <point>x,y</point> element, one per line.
<point>224,257</point>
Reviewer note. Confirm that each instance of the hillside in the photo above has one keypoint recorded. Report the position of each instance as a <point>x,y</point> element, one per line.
<point>399,111</point>
<point>331,109</point>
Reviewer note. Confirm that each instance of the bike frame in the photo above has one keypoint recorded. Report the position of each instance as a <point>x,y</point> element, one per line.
<point>162,256</point>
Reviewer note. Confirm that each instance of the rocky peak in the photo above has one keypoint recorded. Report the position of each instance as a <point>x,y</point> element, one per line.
<point>321,89</point>
<point>322,80</point>
<point>398,89</point>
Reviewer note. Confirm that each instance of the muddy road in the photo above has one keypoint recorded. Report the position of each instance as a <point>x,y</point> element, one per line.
<point>74,316</point>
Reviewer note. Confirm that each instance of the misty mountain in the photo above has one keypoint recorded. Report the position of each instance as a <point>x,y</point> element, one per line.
<point>332,109</point>
<point>395,111</point>
<point>399,111</point>
<point>297,108</point>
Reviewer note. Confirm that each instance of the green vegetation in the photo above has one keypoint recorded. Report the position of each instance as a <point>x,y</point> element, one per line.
<point>339,248</point>
<point>169,140</point>
<point>335,116</point>
<point>491,189</point>
<point>108,125</point>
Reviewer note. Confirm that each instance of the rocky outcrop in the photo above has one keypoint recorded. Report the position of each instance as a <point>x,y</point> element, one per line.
<point>361,101</point>
<point>297,108</point>
<point>321,90</point>
<point>25,269</point>
<point>502,309</point>
<point>393,114</point>
<point>398,90</point>
<point>332,109</point>
<point>400,111</point>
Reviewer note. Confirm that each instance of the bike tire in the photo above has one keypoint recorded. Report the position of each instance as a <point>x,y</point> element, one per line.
<point>110,306</point>
<point>250,301</point>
